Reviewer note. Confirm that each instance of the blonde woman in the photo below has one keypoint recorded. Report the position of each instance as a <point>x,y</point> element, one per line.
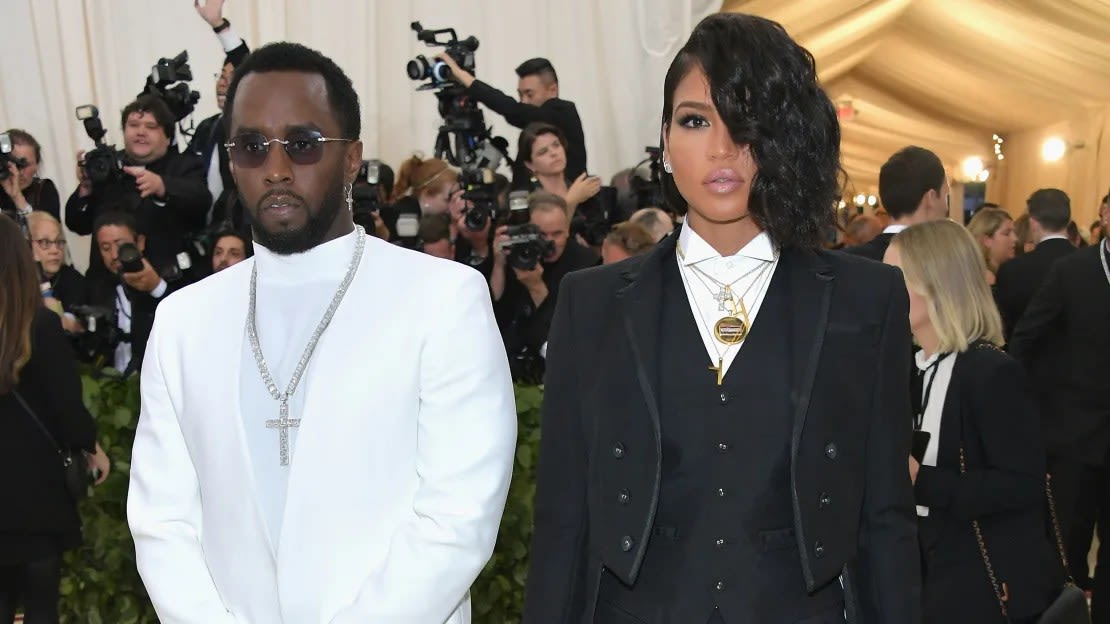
<point>984,461</point>
<point>993,229</point>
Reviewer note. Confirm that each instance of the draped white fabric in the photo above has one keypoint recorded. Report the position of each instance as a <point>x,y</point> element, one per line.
<point>944,74</point>
<point>611,57</point>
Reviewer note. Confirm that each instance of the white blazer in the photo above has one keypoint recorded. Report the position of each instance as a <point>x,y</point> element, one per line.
<point>399,477</point>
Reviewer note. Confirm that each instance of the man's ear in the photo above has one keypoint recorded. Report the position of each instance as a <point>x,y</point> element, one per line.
<point>353,162</point>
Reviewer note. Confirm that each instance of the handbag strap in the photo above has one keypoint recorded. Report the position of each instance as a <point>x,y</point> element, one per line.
<point>1068,578</point>
<point>42,427</point>
<point>1000,592</point>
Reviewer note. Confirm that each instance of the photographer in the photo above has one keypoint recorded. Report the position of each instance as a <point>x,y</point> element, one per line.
<point>538,88</point>
<point>229,247</point>
<point>127,284</point>
<point>542,148</point>
<point>524,297</point>
<point>162,189</point>
<point>24,191</point>
<point>435,236</point>
<point>62,286</point>
<point>207,142</point>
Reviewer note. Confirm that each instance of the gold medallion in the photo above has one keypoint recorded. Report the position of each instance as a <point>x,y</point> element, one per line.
<point>730,330</point>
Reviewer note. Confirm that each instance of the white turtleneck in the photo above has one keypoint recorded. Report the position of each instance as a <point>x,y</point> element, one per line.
<point>293,293</point>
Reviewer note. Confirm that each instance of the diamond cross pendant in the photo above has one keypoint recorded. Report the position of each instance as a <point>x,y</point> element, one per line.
<point>282,424</point>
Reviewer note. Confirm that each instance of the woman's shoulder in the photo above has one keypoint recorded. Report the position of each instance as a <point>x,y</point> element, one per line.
<point>983,359</point>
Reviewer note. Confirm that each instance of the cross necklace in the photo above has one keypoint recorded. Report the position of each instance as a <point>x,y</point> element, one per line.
<point>283,422</point>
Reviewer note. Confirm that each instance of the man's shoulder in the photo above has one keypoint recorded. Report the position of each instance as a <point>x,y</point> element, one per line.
<point>406,267</point>
<point>211,294</point>
<point>873,249</point>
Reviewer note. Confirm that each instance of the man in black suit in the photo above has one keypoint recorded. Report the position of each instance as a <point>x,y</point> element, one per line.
<point>133,296</point>
<point>913,188</point>
<point>1019,279</point>
<point>207,142</point>
<point>1064,339</point>
<point>538,89</point>
<point>161,188</point>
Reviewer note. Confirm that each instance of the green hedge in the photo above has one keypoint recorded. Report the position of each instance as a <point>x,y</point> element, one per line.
<point>101,585</point>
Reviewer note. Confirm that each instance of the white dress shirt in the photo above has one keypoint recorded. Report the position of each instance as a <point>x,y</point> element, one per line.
<point>123,321</point>
<point>894,229</point>
<point>756,262</point>
<point>935,384</point>
<point>293,294</point>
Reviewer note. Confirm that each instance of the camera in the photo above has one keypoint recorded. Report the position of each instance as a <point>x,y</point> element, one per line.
<point>161,82</point>
<point>436,72</point>
<point>463,140</point>
<point>6,157</point>
<point>527,246</point>
<point>596,216</point>
<point>366,194</point>
<point>649,191</point>
<point>130,258</point>
<point>102,335</point>
<point>104,164</point>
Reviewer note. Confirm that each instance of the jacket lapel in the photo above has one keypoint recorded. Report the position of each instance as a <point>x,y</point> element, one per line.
<point>810,282</point>
<point>640,302</point>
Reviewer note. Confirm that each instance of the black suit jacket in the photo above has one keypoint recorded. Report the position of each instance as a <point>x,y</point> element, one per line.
<point>168,227</point>
<point>1018,279</point>
<point>102,293</point>
<point>989,410</point>
<point>874,249</point>
<point>33,489</point>
<point>1064,340</point>
<point>557,112</point>
<point>848,348</point>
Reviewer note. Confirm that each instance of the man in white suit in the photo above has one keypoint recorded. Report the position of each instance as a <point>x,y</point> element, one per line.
<point>327,429</point>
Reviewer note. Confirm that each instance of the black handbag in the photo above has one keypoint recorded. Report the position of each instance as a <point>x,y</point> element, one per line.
<point>1070,605</point>
<point>74,467</point>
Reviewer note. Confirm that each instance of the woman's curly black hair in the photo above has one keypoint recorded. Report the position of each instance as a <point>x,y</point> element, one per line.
<point>765,88</point>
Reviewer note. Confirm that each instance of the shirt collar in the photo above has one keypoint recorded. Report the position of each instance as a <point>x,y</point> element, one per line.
<point>894,228</point>
<point>326,261</point>
<point>1052,236</point>
<point>694,249</point>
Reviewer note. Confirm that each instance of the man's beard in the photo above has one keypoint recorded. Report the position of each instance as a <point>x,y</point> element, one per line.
<point>289,242</point>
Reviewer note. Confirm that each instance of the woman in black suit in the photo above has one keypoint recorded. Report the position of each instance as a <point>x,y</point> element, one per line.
<point>725,418</point>
<point>984,461</point>
<point>40,520</point>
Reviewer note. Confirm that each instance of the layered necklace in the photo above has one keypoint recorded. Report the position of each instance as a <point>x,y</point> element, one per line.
<point>733,327</point>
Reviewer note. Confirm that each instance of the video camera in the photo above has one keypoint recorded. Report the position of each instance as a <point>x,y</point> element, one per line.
<point>103,164</point>
<point>101,336</point>
<point>161,82</point>
<point>649,192</point>
<point>6,157</point>
<point>464,140</point>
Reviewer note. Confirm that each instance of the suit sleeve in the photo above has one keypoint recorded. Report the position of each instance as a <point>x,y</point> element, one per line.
<point>465,450</point>
<point>79,214</point>
<point>555,589</point>
<point>516,113</point>
<point>187,193</point>
<point>887,567</point>
<point>1044,312</point>
<point>1008,426</point>
<point>1004,286</point>
<point>164,505</point>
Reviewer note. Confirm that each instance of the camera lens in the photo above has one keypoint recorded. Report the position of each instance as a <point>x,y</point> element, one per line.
<point>417,68</point>
<point>441,72</point>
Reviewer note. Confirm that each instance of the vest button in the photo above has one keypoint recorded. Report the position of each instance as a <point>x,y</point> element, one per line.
<point>830,450</point>
<point>623,497</point>
<point>724,398</point>
<point>824,500</point>
<point>723,447</point>
<point>626,543</point>
<point>720,542</point>
<point>720,586</point>
<point>721,492</point>
<point>618,450</point>
<point>818,550</point>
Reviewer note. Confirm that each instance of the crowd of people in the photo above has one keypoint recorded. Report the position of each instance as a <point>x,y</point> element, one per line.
<point>929,436</point>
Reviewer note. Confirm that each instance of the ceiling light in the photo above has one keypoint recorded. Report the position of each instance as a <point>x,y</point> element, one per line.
<point>1053,149</point>
<point>972,167</point>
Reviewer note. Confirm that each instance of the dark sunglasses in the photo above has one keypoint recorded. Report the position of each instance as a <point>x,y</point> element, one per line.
<point>304,147</point>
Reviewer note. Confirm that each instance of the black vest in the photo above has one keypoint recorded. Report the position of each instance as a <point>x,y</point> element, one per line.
<point>723,545</point>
